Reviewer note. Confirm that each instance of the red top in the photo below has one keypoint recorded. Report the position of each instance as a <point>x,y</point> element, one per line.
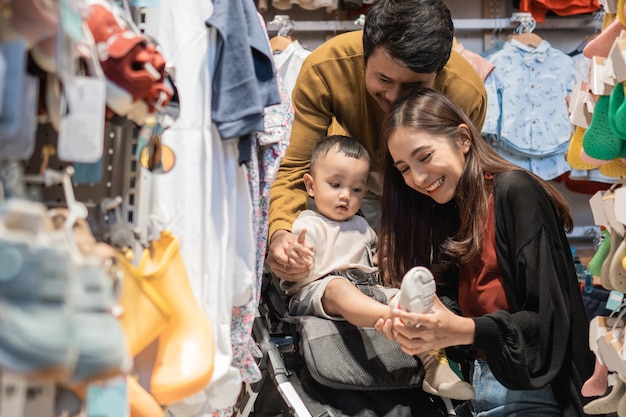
<point>480,287</point>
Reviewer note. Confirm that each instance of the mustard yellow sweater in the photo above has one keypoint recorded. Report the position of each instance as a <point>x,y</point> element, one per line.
<point>331,83</point>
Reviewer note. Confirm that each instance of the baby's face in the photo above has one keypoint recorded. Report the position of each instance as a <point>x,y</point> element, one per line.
<point>338,185</point>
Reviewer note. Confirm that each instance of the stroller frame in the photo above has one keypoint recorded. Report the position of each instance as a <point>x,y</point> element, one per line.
<point>276,333</point>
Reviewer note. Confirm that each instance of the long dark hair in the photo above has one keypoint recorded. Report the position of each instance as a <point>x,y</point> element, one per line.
<point>415,230</point>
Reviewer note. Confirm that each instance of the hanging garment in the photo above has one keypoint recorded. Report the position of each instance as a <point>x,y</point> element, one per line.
<point>527,117</point>
<point>330,5</point>
<point>269,148</point>
<point>244,81</point>
<point>539,8</point>
<point>288,63</point>
<point>581,67</point>
<point>205,200</point>
<point>482,66</point>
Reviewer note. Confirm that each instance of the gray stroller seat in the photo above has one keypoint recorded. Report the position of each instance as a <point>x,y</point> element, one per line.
<point>317,367</point>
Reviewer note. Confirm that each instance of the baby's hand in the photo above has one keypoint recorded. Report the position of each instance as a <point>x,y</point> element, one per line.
<point>300,252</point>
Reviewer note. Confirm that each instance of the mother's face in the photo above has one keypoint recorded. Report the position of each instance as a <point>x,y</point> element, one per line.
<point>429,164</point>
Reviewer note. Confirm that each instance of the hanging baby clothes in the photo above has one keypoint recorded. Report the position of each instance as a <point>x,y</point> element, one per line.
<point>288,63</point>
<point>269,149</point>
<point>527,118</point>
<point>206,199</point>
<point>540,8</point>
<point>482,66</point>
<point>244,82</point>
<point>329,5</point>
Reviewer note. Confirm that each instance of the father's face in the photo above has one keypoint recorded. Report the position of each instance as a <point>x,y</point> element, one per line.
<point>386,78</point>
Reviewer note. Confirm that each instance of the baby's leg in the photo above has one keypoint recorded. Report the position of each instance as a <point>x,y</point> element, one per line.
<point>342,298</point>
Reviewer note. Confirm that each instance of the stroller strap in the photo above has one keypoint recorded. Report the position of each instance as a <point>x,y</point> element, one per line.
<point>357,276</point>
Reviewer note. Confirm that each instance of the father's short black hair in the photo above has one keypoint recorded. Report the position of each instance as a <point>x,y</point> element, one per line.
<point>417,32</point>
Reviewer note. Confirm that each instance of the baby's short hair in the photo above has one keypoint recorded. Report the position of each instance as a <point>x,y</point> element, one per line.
<point>344,144</point>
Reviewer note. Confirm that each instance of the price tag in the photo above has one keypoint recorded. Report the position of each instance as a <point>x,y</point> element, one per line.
<point>81,135</point>
<point>108,398</point>
<point>578,107</point>
<point>597,209</point>
<point>610,211</point>
<point>615,300</point>
<point>620,205</point>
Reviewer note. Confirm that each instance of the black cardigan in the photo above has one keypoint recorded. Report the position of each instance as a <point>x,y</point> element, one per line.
<point>546,338</point>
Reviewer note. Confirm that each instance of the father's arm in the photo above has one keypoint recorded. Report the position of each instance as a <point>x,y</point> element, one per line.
<point>312,117</point>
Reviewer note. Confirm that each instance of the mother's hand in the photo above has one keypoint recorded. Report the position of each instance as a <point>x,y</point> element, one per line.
<point>438,329</point>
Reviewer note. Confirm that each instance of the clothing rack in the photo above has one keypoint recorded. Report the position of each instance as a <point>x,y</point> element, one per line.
<point>551,23</point>
<point>121,176</point>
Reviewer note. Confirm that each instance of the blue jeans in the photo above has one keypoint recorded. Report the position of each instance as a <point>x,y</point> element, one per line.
<point>495,400</point>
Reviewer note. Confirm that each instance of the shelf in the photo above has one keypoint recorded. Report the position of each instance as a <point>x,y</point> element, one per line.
<point>553,23</point>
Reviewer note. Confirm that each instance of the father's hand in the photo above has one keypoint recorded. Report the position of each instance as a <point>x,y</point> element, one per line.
<point>280,263</point>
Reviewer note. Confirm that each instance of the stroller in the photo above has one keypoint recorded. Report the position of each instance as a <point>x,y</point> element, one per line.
<point>318,367</point>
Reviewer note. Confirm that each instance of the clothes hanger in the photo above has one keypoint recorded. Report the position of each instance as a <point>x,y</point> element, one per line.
<point>360,20</point>
<point>117,232</point>
<point>529,39</point>
<point>524,32</point>
<point>280,43</point>
<point>283,38</point>
<point>76,209</point>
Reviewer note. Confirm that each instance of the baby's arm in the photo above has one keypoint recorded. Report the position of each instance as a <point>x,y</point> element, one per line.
<point>300,252</point>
